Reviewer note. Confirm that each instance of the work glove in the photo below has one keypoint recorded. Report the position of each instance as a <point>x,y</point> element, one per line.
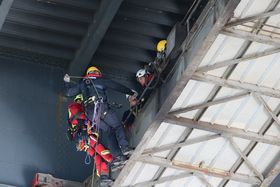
<point>135,94</point>
<point>66,78</point>
<point>132,100</point>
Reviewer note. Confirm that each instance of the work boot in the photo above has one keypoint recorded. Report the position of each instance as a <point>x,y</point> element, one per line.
<point>119,160</point>
<point>117,167</point>
<point>126,150</point>
<point>105,180</point>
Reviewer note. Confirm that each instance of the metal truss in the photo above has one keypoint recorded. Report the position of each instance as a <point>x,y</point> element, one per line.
<point>254,17</point>
<point>179,145</point>
<point>267,108</point>
<point>208,104</point>
<point>219,130</point>
<point>163,179</point>
<point>237,85</point>
<point>200,170</point>
<point>226,63</point>
<point>260,38</point>
<point>246,160</point>
<point>223,130</point>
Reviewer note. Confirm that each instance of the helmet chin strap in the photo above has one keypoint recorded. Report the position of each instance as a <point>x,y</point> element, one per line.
<point>94,76</point>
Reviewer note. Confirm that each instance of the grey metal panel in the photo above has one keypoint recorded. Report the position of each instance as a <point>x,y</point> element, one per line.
<point>131,39</point>
<point>127,51</point>
<point>173,6</point>
<point>33,46</point>
<point>16,54</point>
<point>26,32</point>
<point>117,62</point>
<point>33,126</point>
<point>148,15</point>
<point>84,4</point>
<point>46,23</point>
<point>140,27</point>
<point>53,10</point>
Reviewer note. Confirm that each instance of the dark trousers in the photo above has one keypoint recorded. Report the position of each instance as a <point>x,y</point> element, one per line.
<point>112,133</point>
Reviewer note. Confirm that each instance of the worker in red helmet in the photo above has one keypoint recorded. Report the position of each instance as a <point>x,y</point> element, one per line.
<point>94,88</point>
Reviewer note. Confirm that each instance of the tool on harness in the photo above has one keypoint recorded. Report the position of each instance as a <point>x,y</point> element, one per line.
<point>89,101</point>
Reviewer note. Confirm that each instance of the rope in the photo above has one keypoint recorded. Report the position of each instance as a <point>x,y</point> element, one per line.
<point>95,121</point>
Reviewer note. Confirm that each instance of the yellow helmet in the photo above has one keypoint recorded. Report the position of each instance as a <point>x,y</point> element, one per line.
<point>161,45</point>
<point>79,97</point>
<point>93,72</point>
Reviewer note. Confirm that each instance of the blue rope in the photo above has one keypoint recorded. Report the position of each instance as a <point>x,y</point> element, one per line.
<point>87,159</point>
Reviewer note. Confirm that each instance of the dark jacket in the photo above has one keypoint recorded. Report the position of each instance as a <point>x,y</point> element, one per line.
<point>87,88</point>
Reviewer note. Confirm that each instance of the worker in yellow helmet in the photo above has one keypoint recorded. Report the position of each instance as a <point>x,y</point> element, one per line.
<point>161,46</point>
<point>161,52</point>
<point>93,72</point>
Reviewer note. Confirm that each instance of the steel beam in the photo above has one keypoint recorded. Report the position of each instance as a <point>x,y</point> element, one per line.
<point>200,170</point>
<point>53,25</point>
<point>126,24</point>
<point>237,85</point>
<point>163,180</point>
<point>223,130</point>
<point>254,17</point>
<point>84,4</point>
<point>125,51</point>
<point>203,179</point>
<point>35,46</point>
<point>136,12</point>
<point>164,5</point>
<point>4,10</point>
<point>244,157</point>
<point>172,153</point>
<point>267,108</point>
<point>178,145</point>
<point>131,39</point>
<point>95,34</point>
<point>40,35</point>
<point>53,10</point>
<point>268,40</point>
<point>271,175</point>
<point>269,122</point>
<point>212,22</point>
<point>207,104</point>
<point>226,63</point>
